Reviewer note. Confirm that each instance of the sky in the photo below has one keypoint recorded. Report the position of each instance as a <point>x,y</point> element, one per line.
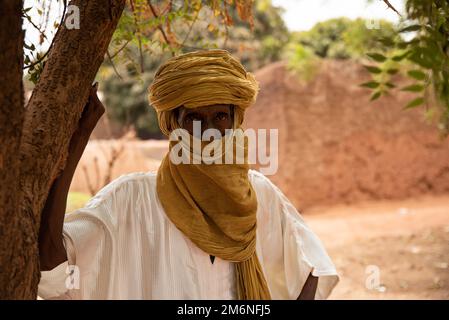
<point>31,34</point>
<point>302,15</point>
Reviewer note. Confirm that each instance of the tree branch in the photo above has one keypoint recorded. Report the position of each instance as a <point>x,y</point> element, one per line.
<point>51,44</point>
<point>120,49</point>
<point>139,35</point>
<point>155,14</point>
<point>190,28</point>
<point>391,7</point>
<point>113,65</point>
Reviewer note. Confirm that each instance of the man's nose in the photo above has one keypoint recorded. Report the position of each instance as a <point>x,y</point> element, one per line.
<point>207,124</point>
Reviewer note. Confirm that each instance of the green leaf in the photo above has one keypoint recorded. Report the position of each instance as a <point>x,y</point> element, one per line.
<point>370,84</point>
<point>405,44</point>
<point>29,47</point>
<point>413,88</point>
<point>376,95</point>
<point>420,57</point>
<point>400,57</point>
<point>417,74</point>
<point>390,85</point>
<point>377,57</point>
<point>414,103</point>
<point>373,69</point>
<point>392,71</point>
<point>386,41</point>
<point>414,27</point>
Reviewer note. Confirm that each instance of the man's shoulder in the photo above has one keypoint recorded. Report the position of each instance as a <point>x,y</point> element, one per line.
<point>260,182</point>
<point>125,183</point>
<point>129,179</point>
<point>257,176</point>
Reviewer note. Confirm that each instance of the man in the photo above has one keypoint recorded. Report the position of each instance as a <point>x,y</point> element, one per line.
<point>192,230</point>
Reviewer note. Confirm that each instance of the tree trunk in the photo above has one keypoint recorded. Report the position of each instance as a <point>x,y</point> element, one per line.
<point>13,229</point>
<point>50,119</point>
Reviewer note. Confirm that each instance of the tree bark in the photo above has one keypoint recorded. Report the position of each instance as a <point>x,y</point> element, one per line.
<point>50,119</point>
<point>14,231</point>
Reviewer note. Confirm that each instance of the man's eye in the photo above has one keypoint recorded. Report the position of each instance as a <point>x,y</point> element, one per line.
<point>222,116</point>
<point>191,118</point>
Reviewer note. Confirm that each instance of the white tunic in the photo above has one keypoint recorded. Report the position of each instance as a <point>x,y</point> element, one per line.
<point>122,245</point>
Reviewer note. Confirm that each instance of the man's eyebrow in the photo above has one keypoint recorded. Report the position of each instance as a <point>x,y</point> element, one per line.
<point>224,108</point>
<point>195,113</point>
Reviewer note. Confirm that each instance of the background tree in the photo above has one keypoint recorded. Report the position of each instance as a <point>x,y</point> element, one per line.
<point>339,38</point>
<point>343,38</point>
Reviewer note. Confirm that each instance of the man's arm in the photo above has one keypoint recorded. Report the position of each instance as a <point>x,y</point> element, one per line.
<point>51,248</point>
<point>309,289</point>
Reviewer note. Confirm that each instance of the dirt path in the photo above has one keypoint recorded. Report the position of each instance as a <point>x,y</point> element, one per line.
<point>407,242</point>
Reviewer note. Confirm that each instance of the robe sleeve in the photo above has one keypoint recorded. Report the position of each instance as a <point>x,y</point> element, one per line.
<point>86,241</point>
<point>89,237</point>
<point>290,250</point>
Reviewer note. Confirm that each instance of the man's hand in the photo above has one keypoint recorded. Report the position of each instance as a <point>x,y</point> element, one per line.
<point>309,289</point>
<point>92,112</point>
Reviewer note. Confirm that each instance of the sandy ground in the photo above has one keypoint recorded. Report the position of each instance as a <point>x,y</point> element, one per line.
<point>406,242</point>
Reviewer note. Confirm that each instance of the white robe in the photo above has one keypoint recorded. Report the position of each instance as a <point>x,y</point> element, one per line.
<point>122,245</point>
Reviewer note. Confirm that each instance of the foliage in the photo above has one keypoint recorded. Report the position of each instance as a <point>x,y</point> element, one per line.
<point>368,35</point>
<point>153,26</point>
<point>302,61</point>
<point>425,49</point>
<point>126,98</point>
<point>34,59</point>
<point>343,38</point>
<point>339,38</point>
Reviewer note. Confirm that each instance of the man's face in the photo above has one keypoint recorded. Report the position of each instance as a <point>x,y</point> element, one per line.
<point>217,116</point>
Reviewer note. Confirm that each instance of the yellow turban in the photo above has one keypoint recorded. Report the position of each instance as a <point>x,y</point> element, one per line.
<point>198,79</point>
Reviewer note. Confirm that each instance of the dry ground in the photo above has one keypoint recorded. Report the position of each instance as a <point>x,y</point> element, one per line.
<point>407,240</point>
